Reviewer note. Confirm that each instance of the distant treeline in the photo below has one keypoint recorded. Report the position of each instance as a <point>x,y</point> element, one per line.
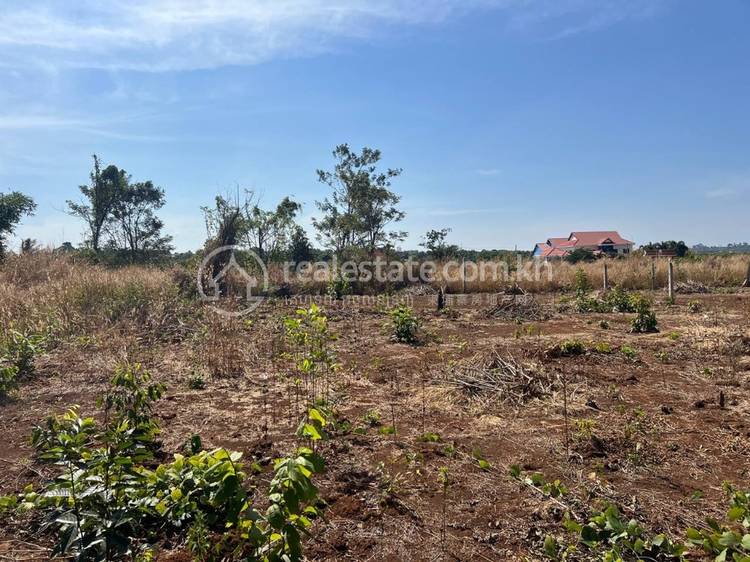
<point>738,248</point>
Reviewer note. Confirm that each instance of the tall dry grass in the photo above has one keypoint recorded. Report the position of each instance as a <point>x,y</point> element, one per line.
<point>44,292</point>
<point>630,273</point>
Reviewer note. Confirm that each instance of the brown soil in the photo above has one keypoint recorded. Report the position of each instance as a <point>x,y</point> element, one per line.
<point>658,434</point>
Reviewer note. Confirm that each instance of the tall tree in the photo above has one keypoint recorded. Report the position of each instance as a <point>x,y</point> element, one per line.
<point>134,226</point>
<point>268,231</point>
<point>361,205</point>
<point>434,242</point>
<point>224,227</point>
<point>299,246</point>
<point>101,196</point>
<point>13,206</point>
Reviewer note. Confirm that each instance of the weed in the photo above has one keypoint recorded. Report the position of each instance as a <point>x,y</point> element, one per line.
<point>372,418</point>
<point>604,325</point>
<point>629,352</point>
<point>567,348</point>
<point>584,428</point>
<point>196,382</point>
<point>694,307</point>
<point>482,463</point>
<point>429,437</point>
<point>603,348</point>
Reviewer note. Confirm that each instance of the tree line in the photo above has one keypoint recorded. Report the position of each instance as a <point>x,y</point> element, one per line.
<point>357,216</point>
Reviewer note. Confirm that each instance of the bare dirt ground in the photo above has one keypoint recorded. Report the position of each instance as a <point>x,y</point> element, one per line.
<point>647,428</point>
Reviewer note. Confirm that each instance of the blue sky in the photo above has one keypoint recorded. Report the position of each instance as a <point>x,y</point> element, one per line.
<point>513,120</point>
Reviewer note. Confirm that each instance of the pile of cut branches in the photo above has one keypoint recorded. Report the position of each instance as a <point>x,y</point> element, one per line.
<point>495,378</point>
<point>517,307</point>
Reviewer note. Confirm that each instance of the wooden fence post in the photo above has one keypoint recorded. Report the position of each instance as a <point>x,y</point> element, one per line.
<point>463,274</point>
<point>653,274</point>
<point>670,281</point>
<point>747,277</point>
<point>606,277</point>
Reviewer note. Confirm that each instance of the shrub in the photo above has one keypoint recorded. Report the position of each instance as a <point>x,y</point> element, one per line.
<point>405,324</point>
<point>107,498</point>
<point>8,376</point>
<point>645,320</point>
<point>196,382</point>
<point>569,348</point>
<point>581,284</point>
<point>629,352</point>
<point>338,287</point>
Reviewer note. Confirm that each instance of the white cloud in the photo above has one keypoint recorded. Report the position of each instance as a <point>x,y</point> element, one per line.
<point>722,193</point>
<point>156,35</point>
<point>488,171</point>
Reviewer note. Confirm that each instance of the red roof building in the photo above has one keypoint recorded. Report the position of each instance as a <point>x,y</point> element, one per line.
<point>608,242</point>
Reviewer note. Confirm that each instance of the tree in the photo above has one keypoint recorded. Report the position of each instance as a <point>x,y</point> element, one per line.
<point>680,248</point>
<point>580,254</point>
<point>134,226</point>
<point>224,226</point>
<point>29,246</point>
<point>361,205</point>
<point>103,194</point>
<point>434,242</point>
<point>299,247</point>
<point>268,231</point>
<point>13,206</point>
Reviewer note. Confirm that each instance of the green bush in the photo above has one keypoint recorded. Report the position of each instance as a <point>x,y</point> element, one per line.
<point>645,320</point>
<point>109,502</point>
<point>405,324</point>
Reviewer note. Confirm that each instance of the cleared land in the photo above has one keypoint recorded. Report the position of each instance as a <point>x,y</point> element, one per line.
<point>656,422</point>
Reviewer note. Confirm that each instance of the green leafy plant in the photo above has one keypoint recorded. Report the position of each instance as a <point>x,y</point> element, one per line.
<point>338,287</point>
<point>372,418</point>
<point>17,353</point>
<point>536,480</point>
<point>730,541</point>
<point>629,352</point>
<point>307,332</point>
<point>429,437</point>
<point>567,348</point>
<point>584,428</point>
<point>405,324</point>
<point>614,538</point>
<point>196,382</point>
<point>482,463</point>
<point>581,284</point>
<point>107,499</point>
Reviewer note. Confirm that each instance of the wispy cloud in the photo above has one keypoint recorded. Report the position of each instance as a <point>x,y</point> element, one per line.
<point>488,171</point>
<point>722,193</point>
<point>100,127</point>
<point>558,19</point>
<point>157,35</point>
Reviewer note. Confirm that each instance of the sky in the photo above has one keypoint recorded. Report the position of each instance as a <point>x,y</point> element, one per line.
<point>513,120</point>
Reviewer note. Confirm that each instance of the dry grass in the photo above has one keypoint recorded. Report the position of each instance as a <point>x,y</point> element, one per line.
<point>45,292</point>
<point>629,273</point>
